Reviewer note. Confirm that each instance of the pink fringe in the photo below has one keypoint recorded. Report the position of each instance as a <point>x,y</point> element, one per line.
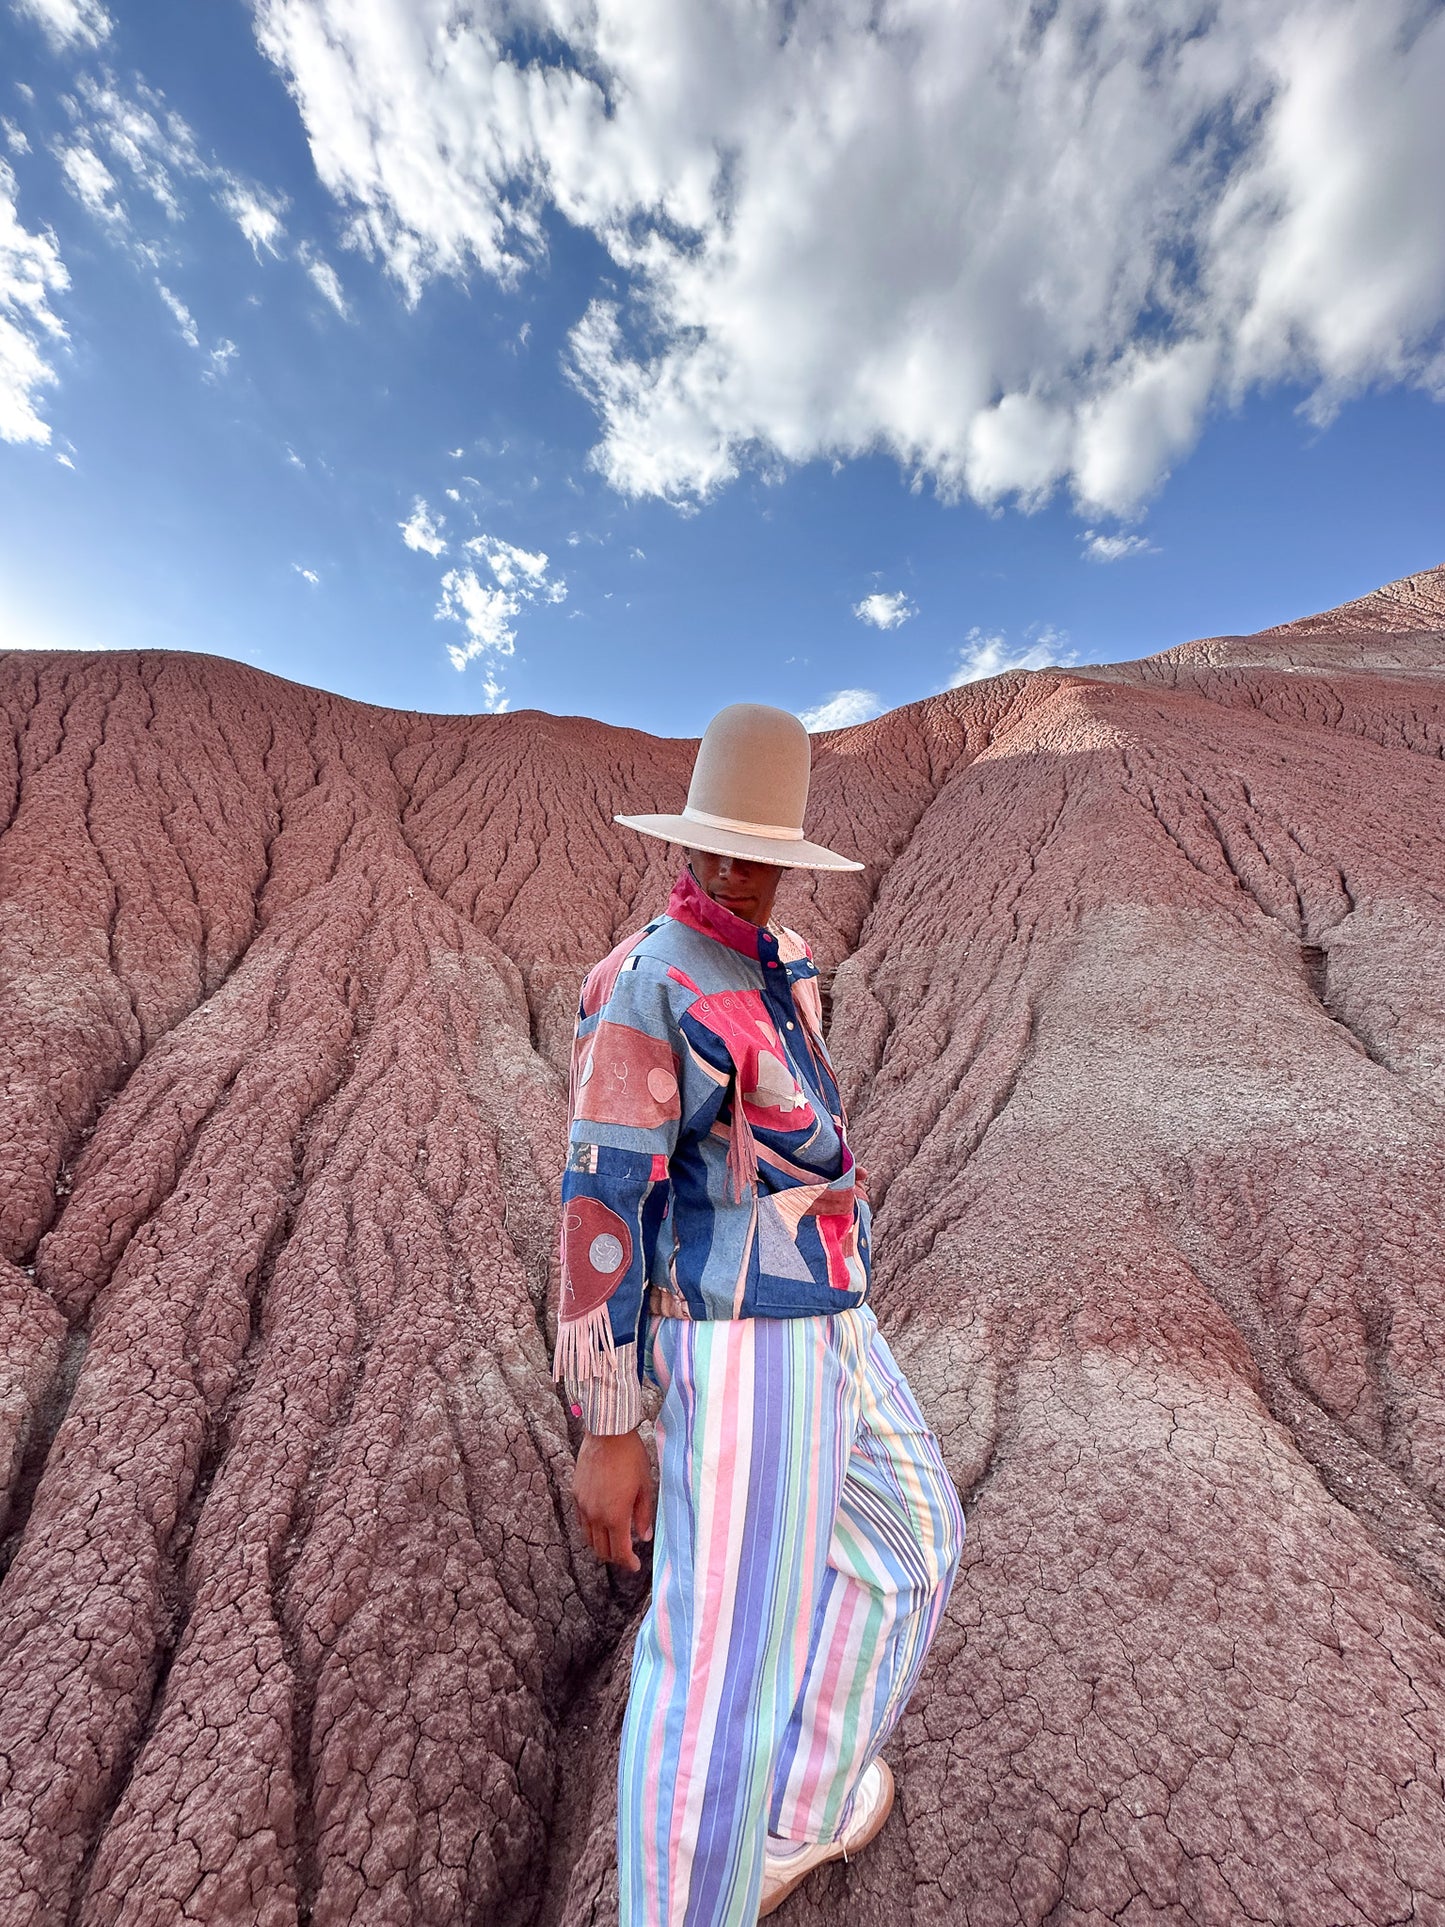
<point>585,1347</point>
<point>742,1151</point>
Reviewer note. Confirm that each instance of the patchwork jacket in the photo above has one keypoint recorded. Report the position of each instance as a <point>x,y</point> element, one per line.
<point>708,1171</point>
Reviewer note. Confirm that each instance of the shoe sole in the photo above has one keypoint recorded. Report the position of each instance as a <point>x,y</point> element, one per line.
<point>885,1807</point>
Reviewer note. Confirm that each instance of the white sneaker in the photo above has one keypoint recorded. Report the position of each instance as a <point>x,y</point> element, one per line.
<point>872,1804</point>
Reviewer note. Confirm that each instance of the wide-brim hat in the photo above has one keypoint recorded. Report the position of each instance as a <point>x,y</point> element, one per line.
<point>748,794</point>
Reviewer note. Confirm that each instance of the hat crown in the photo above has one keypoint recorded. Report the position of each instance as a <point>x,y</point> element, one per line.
<point>752,767</point>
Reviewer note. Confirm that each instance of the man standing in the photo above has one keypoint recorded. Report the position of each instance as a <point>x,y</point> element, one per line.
<point>715,1238</point>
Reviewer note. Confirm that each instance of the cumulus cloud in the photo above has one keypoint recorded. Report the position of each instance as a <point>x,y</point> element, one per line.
<point>16,138</point>
<point>31,275</point>
<point>488,611</point>
<point>68,23</point>
<point>1020,248</point>
<point>885,611</point>
<point>841,710</point>
<point>1114,548</point>
<point>993,655</point>
<point>306,575</point>
<point>420,532</point>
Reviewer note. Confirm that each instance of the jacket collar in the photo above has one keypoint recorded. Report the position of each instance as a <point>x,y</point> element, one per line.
<point>690,904</point>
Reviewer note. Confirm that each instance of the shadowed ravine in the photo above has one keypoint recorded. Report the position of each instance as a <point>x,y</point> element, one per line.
<point>1140,1005</point>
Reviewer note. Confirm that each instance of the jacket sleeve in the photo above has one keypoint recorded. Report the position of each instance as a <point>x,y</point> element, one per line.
<point>636,1085</point>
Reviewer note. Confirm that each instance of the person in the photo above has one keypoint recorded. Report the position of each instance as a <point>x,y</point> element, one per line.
<point>715,1241</point>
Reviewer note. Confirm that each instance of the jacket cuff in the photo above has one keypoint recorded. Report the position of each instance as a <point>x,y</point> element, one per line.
<point>611,1401</point>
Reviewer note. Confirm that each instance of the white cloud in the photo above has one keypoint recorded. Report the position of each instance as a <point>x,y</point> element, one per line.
<point>885,611</point>
<point>420,532</point>
<point>31,274</point>
<point>16,138</point>
<point>92,183</point>
<point>156,148</point>
<point>181,315</point>
<point>324,277</point>
<point>256,213</point>
<point>1114,548</point>
<point>509,565</point>
<point>487,614</point>
<point>293,460</point>
<point>488,611</point>
<point>992,655</point>
<point>306,575</point>
<point>841,710</point>
<point>1132,214</point>
<point>65,461</point>
<point>222,355</point>
<point>144,136</point>
<point>68,23</point>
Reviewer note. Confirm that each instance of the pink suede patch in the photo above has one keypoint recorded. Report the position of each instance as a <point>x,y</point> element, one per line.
<point>623,1076</point>
<point>596,1251</point>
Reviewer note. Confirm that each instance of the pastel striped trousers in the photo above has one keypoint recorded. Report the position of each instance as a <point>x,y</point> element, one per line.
<point>807,1536</point>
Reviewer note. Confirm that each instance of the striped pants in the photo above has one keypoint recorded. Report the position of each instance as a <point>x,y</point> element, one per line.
<point>807,1537</point>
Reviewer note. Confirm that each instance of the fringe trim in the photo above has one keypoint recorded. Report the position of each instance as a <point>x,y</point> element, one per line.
<point>585,1347</point>
<point>742,1151</point>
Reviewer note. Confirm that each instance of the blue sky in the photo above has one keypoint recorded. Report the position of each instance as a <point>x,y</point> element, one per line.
<point>632,359</point>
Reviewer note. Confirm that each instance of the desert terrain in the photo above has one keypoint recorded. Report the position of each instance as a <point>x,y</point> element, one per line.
<point>1140,1008</point>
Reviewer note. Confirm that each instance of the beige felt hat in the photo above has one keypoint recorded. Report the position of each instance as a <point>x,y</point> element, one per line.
<point>748,793</point>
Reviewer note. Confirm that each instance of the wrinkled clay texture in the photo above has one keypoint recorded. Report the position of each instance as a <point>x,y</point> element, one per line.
<point>1140,1008</point>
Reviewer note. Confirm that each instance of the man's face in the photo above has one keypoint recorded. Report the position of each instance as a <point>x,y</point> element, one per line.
<point>740,885</point>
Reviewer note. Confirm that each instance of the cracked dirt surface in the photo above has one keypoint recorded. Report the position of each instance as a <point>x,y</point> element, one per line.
<point>1140,1004</point>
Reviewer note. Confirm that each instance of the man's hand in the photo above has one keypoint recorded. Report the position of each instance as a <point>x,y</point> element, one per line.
<point>612,1490</point>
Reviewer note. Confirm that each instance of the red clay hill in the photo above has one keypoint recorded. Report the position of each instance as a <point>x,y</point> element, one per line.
<point>1141,1007</point>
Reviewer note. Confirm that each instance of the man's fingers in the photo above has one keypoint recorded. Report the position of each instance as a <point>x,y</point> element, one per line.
<point>619,1549</point>
<point>642,1511</point>
<point>593,1532</point>
<point>610,1543</point>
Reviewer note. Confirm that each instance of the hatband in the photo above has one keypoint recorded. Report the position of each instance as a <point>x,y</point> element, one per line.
<point>778,831</point>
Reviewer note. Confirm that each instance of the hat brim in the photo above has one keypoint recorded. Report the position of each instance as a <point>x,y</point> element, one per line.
<point>789,855</point>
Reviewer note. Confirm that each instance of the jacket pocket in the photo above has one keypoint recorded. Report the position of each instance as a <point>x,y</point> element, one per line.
<point>810,1250</point>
